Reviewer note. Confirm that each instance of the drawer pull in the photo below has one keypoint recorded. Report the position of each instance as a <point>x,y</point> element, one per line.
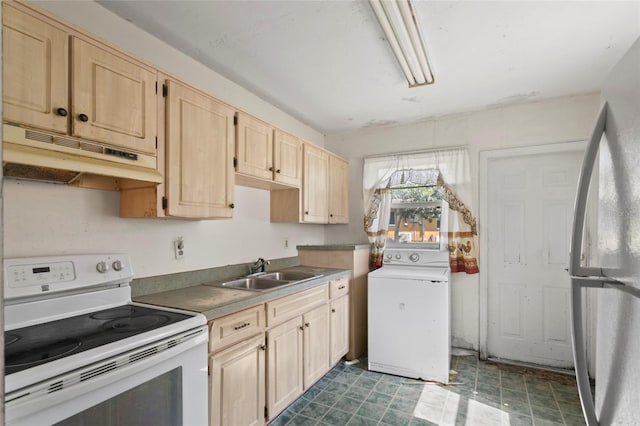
<point>341,287</point>
<point>238,327</point>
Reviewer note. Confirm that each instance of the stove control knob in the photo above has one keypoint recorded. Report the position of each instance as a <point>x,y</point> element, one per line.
<point>117,265</point>
<point>102,267</point>
<point>414,257</point>
<point>389,256</point>
<point>398,256</point>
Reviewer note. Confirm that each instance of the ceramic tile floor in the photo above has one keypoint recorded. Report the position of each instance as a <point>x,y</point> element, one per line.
<point>483,393</point>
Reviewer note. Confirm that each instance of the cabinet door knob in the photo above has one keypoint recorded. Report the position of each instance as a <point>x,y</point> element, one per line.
<point>61,112</point>
<point>83,117</point>
<point>263,348</point>
<point>306,212</point>
<point>270,169</point>
<point>333,310</point>
<point>306,324</point>
<point>232,205</point>
<point>278,171</point>
<point>301,328</point>
<point>331,215</point>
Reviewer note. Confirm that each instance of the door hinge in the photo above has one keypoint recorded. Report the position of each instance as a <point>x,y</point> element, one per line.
<point>165,90</point>
<point>164,203</point>
<point>266,412</point>
<point>235,120</point>
<point>156,87</point>
<point>156,142</point>
<point>235,162</point>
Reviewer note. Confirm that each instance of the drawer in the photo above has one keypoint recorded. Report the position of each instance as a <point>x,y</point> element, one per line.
<point>296,304</point>
<point>338,287</point>
<point>235,327</point>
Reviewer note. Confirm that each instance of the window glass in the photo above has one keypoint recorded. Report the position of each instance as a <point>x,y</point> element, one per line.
<point>415,217</point>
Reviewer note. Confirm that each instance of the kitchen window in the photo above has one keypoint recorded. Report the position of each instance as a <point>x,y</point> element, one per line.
<point>415,217</point>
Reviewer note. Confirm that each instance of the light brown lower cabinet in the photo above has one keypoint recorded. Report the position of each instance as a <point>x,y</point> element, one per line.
<point>339,324</point>
<point>237,388</point>
<point>284,369</point>
<point>306,334</point>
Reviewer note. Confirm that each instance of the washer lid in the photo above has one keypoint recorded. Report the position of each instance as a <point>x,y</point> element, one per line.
<point>411,273</point>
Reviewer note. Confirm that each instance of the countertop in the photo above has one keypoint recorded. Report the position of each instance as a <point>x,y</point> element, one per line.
<point>215,302</point>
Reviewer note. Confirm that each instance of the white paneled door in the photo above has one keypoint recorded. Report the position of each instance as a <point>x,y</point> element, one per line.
<point>530,208</point>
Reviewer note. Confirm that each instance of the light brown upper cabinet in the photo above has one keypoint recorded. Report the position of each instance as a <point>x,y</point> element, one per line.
<point>35,72</point>
<point>110,97</point>
<point>323,197</point>
<point>315,194</point>
<point>287,158</point>
<point>198,169</point>
<point>113,98</point>
<point>254,147</point>
<point>338,190</point>
<point>266,157</point>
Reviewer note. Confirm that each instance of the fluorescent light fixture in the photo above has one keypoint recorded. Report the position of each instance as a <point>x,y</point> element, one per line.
<point>398,21</point>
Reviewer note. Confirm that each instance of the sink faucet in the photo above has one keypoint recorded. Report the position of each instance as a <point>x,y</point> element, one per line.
<point>258,266</point>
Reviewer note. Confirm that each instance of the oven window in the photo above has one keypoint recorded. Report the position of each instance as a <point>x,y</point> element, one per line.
<point>157,402</point>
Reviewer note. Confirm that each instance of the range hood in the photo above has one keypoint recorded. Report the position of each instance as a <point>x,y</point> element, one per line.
<point>42,156</point>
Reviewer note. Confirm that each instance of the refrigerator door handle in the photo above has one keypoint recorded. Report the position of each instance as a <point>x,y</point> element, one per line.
<point>579,212</point>
<point>580,350</point>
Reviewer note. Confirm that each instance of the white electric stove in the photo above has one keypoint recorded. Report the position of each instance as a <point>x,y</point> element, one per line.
<point>409,324</point>
<point>78,351</point>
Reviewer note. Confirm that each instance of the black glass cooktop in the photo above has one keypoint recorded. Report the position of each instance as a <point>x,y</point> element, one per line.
<point>38,344</point>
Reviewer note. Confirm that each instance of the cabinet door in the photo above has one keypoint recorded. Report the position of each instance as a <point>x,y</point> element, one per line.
<point>199,146</point>
<point>35,72</point>
<point>339,328</point>
<point>287,154</point>
<point>254,147</point>
<point>315,202</point>
<point>236,377</point>
<point>338,190</point>
<point>316,344</point>
<point>113,98</point>
<point>284,354</point>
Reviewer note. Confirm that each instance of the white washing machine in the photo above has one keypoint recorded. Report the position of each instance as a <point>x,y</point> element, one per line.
<point>409,315</point>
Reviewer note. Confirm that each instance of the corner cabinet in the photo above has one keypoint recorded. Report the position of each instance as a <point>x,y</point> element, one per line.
<point>198,163</point>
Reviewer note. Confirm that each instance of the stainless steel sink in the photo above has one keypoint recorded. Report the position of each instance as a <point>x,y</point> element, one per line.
<point>289,276</point>
<point>266,281</point>
<point>259,284</point>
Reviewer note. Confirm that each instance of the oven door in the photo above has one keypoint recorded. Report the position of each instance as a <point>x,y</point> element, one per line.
<point>164,383</point>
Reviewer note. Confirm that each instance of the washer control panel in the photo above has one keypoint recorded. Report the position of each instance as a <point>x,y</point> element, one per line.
<point>413,257</point>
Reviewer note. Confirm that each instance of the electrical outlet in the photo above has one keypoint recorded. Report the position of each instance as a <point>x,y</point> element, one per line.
<point>178,246</point>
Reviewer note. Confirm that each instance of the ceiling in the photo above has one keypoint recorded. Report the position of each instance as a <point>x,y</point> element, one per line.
<point>328,64</point>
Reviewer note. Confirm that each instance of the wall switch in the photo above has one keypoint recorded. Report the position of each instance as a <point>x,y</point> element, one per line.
<point>178,245</point>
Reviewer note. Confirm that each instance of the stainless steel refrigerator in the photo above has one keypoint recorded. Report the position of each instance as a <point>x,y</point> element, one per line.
<point>614,153</point>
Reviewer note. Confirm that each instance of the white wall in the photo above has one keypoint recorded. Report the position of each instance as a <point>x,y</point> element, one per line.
<point>48,219</point>
<point>550,121</point>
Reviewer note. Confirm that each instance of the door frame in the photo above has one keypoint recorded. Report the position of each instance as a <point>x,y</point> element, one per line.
<point>485,158</point>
